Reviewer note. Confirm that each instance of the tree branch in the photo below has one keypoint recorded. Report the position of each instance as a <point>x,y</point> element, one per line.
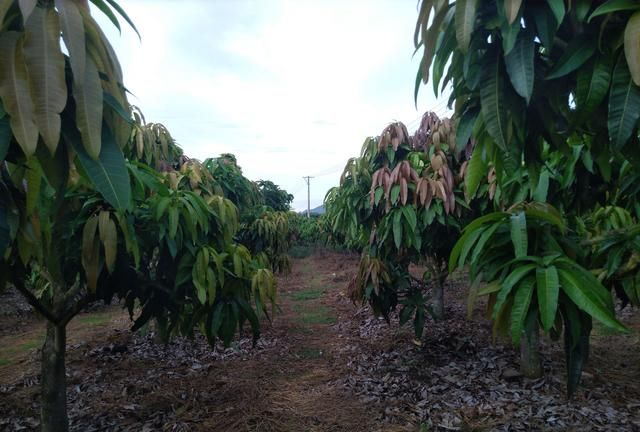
<point>37,305</point>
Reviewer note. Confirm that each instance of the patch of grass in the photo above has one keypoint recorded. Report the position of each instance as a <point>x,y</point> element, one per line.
<point>13,352</point>
<point>94,319</point>
<point>317,315</point>
<point>308,353</point>
<point>310,294</point>
<point>299,251</point>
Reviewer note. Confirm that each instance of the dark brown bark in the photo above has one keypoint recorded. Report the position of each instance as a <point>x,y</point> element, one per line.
<point>530,362</point>
<point>53,414</point>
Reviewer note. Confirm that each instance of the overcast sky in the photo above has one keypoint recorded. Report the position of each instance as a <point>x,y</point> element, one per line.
<point>291,87</point>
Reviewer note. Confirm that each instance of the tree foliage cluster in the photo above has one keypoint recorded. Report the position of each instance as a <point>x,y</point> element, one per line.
<point>96,203</point>
<point>546,106</point>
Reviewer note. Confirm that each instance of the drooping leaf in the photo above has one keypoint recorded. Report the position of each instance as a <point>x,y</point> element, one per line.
<point>520,308</point>
<point>15,94</point>
<point>519,235</point>
<point>614,6</point>
<point>110,243</point>
<point>577,53</point>
<point>632,46</point>
<point>476,170</point>
<point>513,279</point>
<point>465,20</point>
<point>397,229</point>
<point>45,67</point>
<point>88,96</point>
<point>511,9</point>
<point>90,251</point>
<point>519,64</point>
<point>545,23</point>
<point>108,173</point>
<point>548,290</point>
<point>465,127</point>
<point>592,85</point>
<point>492,96</point>
<point>73,36</point>
<point>586,299</point>
<point>104,8</point>
<point>26,8</point>
<point>124,15</point>
<point>624,105</point>
<point>557,7</point>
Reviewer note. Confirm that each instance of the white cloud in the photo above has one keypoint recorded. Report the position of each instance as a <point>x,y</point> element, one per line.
<point>291,87</point>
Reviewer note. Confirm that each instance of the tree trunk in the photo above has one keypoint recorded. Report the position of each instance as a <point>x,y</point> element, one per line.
<point>530,362</point>
<point>438,295</point>
<point>53,414</point>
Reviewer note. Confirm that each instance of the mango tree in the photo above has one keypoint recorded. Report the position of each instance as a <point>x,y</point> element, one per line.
<point>549,92</point>
<point>80,220</point>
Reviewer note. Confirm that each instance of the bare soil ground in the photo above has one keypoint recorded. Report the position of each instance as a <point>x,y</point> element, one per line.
<point>324,364</point>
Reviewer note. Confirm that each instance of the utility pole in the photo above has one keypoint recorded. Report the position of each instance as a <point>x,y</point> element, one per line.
<point>307,179</point>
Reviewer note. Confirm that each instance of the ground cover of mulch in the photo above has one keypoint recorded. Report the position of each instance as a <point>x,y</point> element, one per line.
<point>324,364</point>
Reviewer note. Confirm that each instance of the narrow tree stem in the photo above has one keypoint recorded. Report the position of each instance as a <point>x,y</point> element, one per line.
<point>53,413</point>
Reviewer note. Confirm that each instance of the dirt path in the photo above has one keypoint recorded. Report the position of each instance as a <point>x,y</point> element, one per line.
<point>287,383</point>
<point>322,365</point>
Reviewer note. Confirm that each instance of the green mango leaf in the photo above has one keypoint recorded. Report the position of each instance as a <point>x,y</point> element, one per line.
<point>87,92</point>
<point>378,194</point>
<point>584,297</point>
<point>540,193</point>
<point>577,53</point>
<point>512,280</point>
<point>624,105</point>
<point>545,22</point>
<point>397,229</point>
<point>614,6</point>
<point>465,20</point>
<point>577,328</point>
<point>592,85</point>
<point>395,194</point>
<point>470,230</point>
<point>476,171</point>
<point>548,290</point>
<point>409,213</point>
<point>492,97</point>
<point>484,238</point>
<point>124,15</point>
<point>520,308</point>
<point>470,242</point>
<point>108,173</point>
<point>465,127</point>
<point>519,64</point>
<point>45,66</point>
<point>557,7</point>
<point>519,235</point>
